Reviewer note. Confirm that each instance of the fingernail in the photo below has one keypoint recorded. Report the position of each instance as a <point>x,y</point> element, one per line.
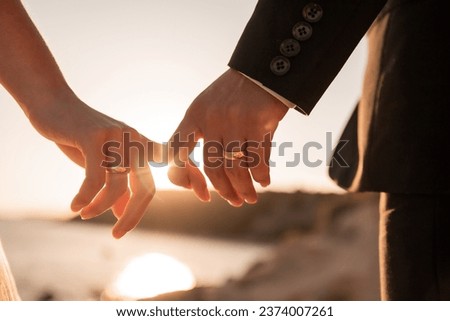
<point>76,205</point>
<point>204,197</point>
<point>208,197</point>
<point>235,204</point>
<point>117,234</point>
<point>249,198</point>
<point>264,184</point>
<point>85,217</point>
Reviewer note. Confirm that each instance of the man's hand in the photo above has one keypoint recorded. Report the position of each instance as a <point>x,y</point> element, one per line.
<point>236,120</point>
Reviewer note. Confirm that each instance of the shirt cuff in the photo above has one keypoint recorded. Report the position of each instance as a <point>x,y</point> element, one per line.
<point>276,95</point>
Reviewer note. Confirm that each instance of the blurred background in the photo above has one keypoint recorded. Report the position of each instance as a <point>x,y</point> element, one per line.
<point>143,62</point>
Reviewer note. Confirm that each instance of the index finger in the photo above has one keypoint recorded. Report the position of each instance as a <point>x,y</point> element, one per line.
<point>94,180</point>
<point>183,172</point>
<point>143,190</point>
<point>182,143</point>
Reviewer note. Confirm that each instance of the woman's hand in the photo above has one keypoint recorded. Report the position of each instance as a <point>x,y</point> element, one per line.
<point>101,144</point>
<point>30,74</point>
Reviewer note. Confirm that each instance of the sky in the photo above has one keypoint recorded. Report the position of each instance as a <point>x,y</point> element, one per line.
<point>143,62</point>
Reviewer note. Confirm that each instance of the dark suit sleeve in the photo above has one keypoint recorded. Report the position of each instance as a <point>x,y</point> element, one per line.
<point>342,25</point>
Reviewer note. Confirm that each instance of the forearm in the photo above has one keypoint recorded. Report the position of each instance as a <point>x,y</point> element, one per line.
<point>27,68</point>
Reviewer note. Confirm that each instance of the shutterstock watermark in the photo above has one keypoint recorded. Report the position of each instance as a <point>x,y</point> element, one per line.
<point>218,154</point>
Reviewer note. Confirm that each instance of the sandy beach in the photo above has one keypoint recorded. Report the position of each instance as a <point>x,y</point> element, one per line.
<point>287,247</point>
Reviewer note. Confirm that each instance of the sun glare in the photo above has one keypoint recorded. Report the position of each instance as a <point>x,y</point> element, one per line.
<point>152,274</point>
<point>160,177</point>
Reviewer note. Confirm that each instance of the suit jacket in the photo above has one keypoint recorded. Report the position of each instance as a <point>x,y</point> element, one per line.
<point>398,136</point>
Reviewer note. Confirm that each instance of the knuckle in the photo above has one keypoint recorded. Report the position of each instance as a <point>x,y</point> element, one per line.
<point>113,129</point>
<point>99,135</point>
<point>191,113</point>
<point>107,133</point>
<point>118,130</point>
<point>132,132</point>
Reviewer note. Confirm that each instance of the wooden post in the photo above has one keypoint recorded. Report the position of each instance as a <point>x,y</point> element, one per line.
<point>8,290</point>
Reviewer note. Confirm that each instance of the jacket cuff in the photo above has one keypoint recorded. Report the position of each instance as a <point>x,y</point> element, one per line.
<point>296,47</point>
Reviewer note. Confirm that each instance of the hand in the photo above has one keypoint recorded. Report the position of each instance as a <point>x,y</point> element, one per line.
<point>232,115</point>
<point>30,74</point>
<point>81,133</point>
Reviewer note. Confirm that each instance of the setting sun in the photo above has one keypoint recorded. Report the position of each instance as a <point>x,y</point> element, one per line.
<point>152,274</point>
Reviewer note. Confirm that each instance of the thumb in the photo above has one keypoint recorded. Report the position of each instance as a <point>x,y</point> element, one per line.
<point>183,171</point>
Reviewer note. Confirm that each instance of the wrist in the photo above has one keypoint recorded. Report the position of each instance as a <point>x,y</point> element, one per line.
<point>270,91</point>
<point>279,99</point>
<point>37,104</point>
<point>51,111</point>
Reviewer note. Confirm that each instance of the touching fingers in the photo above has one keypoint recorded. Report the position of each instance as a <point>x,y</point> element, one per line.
<point>183,171</point>
<point>182,143</point>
